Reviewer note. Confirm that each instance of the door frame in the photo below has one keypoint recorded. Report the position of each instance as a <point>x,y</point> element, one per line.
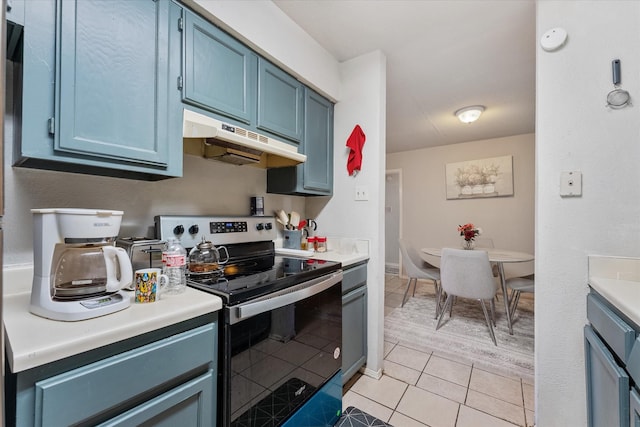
<point>397,172</point>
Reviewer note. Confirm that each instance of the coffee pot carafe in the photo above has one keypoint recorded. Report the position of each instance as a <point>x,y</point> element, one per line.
<point>78,271</point>
<point>88,269</point>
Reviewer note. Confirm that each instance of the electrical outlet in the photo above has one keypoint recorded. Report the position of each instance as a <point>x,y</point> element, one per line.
<point>362,193</point>
<point>571,184</point>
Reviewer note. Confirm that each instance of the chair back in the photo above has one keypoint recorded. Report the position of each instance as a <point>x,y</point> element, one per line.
<point>410,260</point>
<point>467,274</point>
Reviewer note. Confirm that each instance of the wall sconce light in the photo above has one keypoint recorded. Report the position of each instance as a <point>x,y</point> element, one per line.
<point>469,114</point>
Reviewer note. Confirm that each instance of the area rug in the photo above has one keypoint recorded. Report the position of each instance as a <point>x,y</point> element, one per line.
<point>465,335</point>
<point>354,417</point>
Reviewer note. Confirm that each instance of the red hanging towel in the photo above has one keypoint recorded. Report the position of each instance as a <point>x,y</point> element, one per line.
<point>355,143</point>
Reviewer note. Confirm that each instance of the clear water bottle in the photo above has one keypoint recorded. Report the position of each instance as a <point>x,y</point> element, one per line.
<point>174,264</point>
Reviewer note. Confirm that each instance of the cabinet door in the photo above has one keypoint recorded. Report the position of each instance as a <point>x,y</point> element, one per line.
<point>315,176</point>
<point>219,72</point>
<point>111,65</point>
<point>191,404</point>
<point>634,408</point>
<point>354,332</point>
<point>607,385</point>
<point>318,143</point>
<point>280,98</point>
<point>90,391</point>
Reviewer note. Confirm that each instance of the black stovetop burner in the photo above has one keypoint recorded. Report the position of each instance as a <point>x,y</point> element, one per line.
<point>252,278</point>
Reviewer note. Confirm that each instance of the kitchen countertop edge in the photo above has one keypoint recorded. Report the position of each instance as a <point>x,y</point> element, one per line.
<point>617,279</point>
<point>33,341</point>
<point>623,294</point>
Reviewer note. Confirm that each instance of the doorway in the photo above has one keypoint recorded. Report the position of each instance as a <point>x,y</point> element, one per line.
<point>392,220</point>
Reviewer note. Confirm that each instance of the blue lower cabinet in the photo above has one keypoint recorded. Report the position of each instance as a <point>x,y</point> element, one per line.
<point>607,385</point>
<point>354,320</point>
<point>323,409</point>
<point>634,408</point>
<point>188,405</point>
<point>159,383</point>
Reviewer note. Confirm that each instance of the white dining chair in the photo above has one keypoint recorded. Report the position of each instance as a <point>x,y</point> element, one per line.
<point>467,274</point>
<point>417,268</point>
<point>517,286</point>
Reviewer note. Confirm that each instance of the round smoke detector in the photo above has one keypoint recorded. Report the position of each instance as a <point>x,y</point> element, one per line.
<point>553,39</point>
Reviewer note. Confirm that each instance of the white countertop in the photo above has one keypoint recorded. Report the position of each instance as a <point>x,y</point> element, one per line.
<point>618,280</point>
<point>345,259</point>
<point>32,341</point>
<point>339,249</point>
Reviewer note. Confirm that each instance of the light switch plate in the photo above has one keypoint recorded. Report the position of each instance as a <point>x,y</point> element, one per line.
<point>571,184</point>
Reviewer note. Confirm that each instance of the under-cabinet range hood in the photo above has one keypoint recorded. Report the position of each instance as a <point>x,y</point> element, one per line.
<point>210,138</point>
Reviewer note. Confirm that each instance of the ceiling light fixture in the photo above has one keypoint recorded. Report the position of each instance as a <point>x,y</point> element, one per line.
<point>469,114</point>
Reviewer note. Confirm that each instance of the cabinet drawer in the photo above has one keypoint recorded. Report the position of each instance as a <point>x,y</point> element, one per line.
<point>118,380</point>
<point>354,277</point>
<point>615,331</point>
<point>191,404</point>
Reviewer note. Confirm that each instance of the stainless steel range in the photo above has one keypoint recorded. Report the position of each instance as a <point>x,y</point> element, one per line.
<point>280,327</point>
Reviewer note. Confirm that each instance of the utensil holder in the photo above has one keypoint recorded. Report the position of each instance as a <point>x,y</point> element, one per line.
<point>292,239</point>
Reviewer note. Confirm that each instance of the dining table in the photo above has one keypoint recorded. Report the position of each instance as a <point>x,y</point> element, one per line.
<point>499,257</point>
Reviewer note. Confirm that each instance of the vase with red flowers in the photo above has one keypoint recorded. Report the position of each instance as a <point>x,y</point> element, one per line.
<point>469,233</point>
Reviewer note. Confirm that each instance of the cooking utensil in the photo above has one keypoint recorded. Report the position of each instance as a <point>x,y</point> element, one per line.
<point>302,224</point>
<point>294,219</point>
<point>282,218</point>
<point>617,98</point>
<point>311,224</point>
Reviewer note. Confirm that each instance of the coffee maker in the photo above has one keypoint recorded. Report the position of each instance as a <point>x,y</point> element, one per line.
<point>78,272</point>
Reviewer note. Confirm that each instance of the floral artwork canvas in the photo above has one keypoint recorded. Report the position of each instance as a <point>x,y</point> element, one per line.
<point>492,177</point>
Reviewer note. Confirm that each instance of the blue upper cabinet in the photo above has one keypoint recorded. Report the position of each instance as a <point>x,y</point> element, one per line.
<point>280,102</point>
<point>110,73</point>
<point>219,72</point>
<point>315,176</point>
<point>318,143</point>
<point>111,105</point>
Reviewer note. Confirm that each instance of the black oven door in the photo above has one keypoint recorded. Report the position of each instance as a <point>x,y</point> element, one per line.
<point>278,350</point>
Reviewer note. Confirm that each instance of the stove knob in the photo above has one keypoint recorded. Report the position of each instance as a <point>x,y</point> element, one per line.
<point>260,226</point>
<point>194,229</point>
<point>267,226</point>
<point>178,230</point>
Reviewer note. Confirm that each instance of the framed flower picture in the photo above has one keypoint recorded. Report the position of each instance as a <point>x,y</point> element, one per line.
<point>492,177</point>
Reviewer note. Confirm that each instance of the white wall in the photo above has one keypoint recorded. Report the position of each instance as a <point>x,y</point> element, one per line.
<point>429,219</point>
<point>363,102</point>
<point>574,131</point>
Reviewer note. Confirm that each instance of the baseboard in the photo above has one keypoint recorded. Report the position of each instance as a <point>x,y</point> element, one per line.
<point>371,373</point>
<point>391,268</point>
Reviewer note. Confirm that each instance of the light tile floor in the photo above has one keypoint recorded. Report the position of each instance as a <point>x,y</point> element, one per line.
<point>425,389</point>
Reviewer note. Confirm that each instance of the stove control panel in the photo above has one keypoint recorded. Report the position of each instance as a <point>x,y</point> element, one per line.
<point>230,227</point>
<point>218,230</point>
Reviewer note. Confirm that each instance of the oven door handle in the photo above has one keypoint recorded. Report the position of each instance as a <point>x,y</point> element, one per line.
<point>285,297</point>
